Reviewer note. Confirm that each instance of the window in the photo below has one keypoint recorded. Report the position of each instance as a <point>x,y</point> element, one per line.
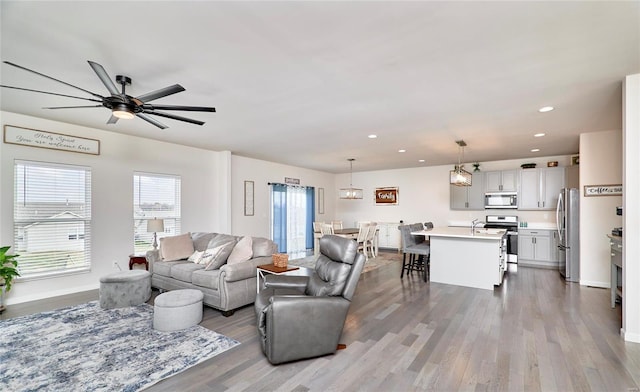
<point>154,196</point>
<point>52,218</point>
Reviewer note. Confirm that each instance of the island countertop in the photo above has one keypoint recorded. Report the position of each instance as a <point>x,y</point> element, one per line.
<point>463,232</point>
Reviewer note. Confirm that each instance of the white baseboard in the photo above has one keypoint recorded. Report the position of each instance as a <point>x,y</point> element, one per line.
<point>630,337</point>
<point>50,294</point>
<point>593,283</point>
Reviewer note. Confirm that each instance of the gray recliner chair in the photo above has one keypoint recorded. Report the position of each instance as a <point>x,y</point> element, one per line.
<point>302,317</point>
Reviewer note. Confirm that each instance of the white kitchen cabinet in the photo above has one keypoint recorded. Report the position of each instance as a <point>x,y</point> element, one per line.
<point>468,197</point>
<point>501,181</point>
<point>538,248</point>
<point>388,235</point>
<point>539,188</point>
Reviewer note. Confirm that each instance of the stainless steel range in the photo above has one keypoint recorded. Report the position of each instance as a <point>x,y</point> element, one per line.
<point>510,223</point>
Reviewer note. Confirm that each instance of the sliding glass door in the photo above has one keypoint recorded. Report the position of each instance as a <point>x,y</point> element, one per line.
<point>292,215</point>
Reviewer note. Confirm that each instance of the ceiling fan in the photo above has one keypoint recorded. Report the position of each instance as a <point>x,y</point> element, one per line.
<point>122,106</point>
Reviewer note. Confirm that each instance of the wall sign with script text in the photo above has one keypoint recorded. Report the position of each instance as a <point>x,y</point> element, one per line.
<point>51,140</point>
<point>603,190</point>
<point>386,196</point>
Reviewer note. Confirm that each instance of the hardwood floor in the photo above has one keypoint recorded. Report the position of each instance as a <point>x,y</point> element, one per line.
<point>535,333</point>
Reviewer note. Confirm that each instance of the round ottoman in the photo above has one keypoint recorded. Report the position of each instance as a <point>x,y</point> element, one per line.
<point>177,309</point>
<point>125,288</point>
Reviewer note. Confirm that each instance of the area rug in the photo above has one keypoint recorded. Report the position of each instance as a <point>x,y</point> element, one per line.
<point>86,348</point>
<point>383,258</point>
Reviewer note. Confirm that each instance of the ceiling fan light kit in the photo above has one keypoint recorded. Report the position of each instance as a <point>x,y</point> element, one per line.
<point>458,176</point>
<point>122,106</point>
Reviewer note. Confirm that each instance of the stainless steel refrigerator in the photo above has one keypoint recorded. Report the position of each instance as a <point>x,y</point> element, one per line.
<point>568,222</point>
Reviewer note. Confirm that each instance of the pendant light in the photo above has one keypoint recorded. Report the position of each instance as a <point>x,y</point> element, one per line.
<point>458,176</point>
<point>351,192</point>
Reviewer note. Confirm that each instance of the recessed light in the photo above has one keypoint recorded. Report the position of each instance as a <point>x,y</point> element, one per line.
<point>402,150</point>
<point>421,160</point>
<point>535,150</point>
<point>372,136</point>
<point>541,134</point>
<point>545,109</point>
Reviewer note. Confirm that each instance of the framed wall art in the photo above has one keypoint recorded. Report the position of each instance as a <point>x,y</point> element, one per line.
<point>248,198</point>
<point>603,190</point>
<point>320,200</point>
<point>50,140</point>
<point>386,196</point>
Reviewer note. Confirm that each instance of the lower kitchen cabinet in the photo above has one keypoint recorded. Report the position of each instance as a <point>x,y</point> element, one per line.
<point>388,235</point>
<point>538,248</point>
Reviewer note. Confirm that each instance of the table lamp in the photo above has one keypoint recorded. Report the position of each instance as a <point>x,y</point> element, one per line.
<point>154,226</point>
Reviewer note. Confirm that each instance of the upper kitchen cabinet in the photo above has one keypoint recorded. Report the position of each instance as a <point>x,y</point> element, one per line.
<point>468,197</point>
<point>539,188</point>
<point>501,181</point>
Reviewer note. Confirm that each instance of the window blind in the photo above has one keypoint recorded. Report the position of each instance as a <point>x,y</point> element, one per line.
<point>52,218</point>
<point>155,196</point>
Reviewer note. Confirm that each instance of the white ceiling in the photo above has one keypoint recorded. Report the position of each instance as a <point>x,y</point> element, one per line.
<point>304,83</point>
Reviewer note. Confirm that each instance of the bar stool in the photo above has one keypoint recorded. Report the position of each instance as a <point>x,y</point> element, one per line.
<point>413,249</point>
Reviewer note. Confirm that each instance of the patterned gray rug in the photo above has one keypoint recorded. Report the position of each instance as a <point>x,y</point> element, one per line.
<point>86,348</point>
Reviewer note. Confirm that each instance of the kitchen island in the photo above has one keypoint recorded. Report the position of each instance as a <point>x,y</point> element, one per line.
<point>463,257</point>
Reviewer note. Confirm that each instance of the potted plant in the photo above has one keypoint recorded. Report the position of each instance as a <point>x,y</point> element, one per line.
<point>8,271</point>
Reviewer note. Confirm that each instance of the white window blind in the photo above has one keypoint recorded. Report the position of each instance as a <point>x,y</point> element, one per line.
<point>52,218</point>
<point>155,196</point>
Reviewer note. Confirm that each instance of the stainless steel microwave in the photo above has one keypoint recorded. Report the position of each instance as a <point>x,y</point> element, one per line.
<point>500,200</point>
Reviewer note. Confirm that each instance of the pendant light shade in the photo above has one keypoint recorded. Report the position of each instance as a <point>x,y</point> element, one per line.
<point>351,192</point>
<point>458,176</point>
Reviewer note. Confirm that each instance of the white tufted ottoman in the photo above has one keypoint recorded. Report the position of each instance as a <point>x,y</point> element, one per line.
<point>125,288</point>
<point>177,309</point>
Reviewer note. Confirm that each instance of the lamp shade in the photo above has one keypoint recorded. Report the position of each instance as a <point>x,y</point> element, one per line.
<point>155,225</point>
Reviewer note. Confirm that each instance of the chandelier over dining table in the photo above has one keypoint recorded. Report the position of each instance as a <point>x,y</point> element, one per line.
<point>351,192</point>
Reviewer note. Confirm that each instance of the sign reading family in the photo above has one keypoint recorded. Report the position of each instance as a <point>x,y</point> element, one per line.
<point>603,190</point>
<point>386,196</point>
<point>55,141</point>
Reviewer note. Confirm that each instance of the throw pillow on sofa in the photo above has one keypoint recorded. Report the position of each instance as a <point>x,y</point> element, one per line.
<point>218,256</point>
<point>243,251</point>
<point>176,247</point>
<point>195,257</point>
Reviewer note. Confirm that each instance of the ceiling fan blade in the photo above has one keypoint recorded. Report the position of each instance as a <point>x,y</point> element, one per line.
<point>112,120</point>
<point>72,107</point>
<point>163,92</point>
<point>185,108</point>
<point>151,120</point>
<point>173,116</point>
<point>104,76</point>
<point>46,92</point>
<point>49,77</point>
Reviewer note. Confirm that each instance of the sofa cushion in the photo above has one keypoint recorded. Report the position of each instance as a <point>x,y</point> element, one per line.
<point>329,279</point>
<point>164,267</point>
<point>176,247</point>
<point>243,251</point>
<point>183,271</point>
<point>221,239</point>
<point>201,240</point>
<point>263,247</point>
<point>220,255</point>
<point>208,279</point>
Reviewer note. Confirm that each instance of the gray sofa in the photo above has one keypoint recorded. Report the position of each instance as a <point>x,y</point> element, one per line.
<point>227,288</point>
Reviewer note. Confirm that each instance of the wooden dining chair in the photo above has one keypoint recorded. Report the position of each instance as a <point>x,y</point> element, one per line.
<point>362,239</point>
<point>371,239</point>
<point>337,225</point>
<point>317,226</point>
<point>326,229</point>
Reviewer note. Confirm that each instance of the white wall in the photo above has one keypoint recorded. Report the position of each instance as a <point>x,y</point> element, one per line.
<point>600,164</point>
<point>424,195</point>
<point>631,204</point>
<point>261,173</point>
<point>112,194</point>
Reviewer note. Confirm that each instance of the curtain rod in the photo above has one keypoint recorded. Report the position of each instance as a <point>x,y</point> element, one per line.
<point>295,186</point>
